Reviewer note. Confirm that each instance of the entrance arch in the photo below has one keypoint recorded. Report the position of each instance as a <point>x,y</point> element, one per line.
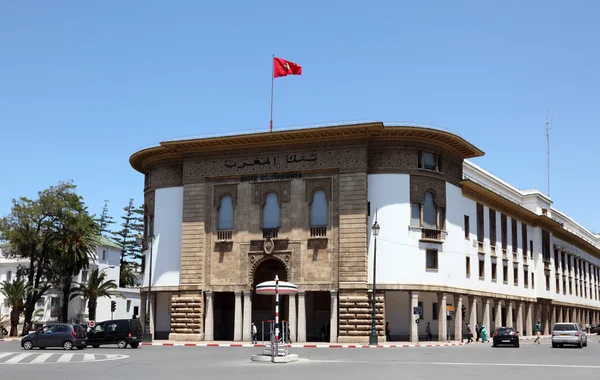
<point>263,306</point>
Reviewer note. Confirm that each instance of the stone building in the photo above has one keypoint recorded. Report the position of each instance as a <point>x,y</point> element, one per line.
<point>226,213</point>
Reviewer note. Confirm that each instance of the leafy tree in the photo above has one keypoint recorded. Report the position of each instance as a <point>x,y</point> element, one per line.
<point>105,220</point>
<point>15,292</point>
<point>132,225</point>
<point>96,287</point>
<point>127,275</point>
<point>42,232</point>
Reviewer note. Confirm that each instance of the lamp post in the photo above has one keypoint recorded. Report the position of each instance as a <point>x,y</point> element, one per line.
<point>373,337</point>
<point>147,332</point>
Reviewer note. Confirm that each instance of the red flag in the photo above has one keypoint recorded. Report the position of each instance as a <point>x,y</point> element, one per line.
<point>282,68</point>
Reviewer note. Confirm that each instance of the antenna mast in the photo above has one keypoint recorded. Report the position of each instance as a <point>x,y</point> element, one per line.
<point>548,120</point>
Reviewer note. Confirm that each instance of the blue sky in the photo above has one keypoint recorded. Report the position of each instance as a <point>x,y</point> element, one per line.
<point>85,84</point>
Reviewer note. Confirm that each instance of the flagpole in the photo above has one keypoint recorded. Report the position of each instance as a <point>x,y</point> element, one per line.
<point>272,87</point>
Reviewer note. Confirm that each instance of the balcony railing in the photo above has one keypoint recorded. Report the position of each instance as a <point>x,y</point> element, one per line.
<point>504,254</point>
<point>515,257</point>
<point>429,234</point>
<point>480,247</point>
<point>493,251</point>
<point>224,235</point>
<point>318,232</point>
<point>271,233</point>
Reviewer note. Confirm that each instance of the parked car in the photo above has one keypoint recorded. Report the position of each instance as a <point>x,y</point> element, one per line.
<point>63,335</point>
<point>505,336</point>
<point>568,333</point>
<point>122,332</point>
<point>594,329</point>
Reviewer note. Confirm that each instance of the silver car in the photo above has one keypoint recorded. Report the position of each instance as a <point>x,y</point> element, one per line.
<point>568,333</point>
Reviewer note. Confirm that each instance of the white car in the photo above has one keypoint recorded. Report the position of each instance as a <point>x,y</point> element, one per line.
<point>568,333</point>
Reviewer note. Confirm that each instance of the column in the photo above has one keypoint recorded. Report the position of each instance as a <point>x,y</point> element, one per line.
<point>152,313</point>
<point>458,322</point>
<point>486,313</point>
<point>247,324</point>
<point>573,315</point>
<point>442,320</point>
<point>520,308</point>
<point>509,314</point>
<point>301,317</point>
<point>237,319</point>
<point>414,326</point>
<point>498,317</point>
<point>209,323</point>
<point>142,310</point>
<point>560,314</point>
<point>473,314</point>
<point>333,330</point>
<point>292,317</point>
<point>529,320</point>
<point>552,317</point>
<point>545,320</point>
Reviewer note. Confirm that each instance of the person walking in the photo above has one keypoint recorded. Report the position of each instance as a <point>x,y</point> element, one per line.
<point>469,334</point>
<point>388,332</point>
<point>538,332</point>
<point>478,331</point>
<point>254,332</point>
<point>484,332</point>
<point>428,332</point>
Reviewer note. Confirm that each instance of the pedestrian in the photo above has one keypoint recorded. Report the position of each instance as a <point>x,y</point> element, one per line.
<point>478,331</point>
<point>538,332</point>
<point>484,332</point>
<point>428,332</point>
<point>587,328</point>
<point>388,332</point>
<point>469,334</point>
<point>253,331</point>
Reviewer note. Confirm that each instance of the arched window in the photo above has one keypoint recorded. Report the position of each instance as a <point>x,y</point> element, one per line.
<point>318,209</point>
<point>429,212</point>
<point>271,212</point>
<point>225,213</point>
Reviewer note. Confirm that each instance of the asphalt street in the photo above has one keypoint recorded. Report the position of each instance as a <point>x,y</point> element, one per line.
<point>461,362</point>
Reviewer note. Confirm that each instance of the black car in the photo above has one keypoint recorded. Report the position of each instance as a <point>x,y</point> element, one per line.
<point>121,332</point>
<point>505,335</point>
<point>63,335</point>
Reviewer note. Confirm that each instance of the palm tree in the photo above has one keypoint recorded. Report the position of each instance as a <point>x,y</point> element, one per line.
<point>97,286</point>
<point>15,292</point>
<point>127,276</point>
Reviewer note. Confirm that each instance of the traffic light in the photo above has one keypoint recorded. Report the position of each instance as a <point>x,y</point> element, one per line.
<point>464,313</point>
<point>113,305</point>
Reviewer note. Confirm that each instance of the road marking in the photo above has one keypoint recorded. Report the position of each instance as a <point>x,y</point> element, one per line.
<point>42,358</point>
<point>5,354</point>
<point>65,358</point>
<point>88,357</point>
<point>17,358</point>
<point>465,364</point>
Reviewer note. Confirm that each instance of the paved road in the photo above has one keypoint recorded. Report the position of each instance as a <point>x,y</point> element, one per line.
<point>465,362</point>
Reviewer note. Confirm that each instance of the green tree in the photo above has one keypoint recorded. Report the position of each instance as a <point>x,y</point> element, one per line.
<point>105,220</point>
<point>38,231</point>
<point>15,292</point>
<point>97,286</point>
<point>132,225</point>
<point>127,276</point>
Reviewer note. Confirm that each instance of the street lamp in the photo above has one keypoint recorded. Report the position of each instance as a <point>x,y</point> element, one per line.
<point>373,337</point>
<point>147,332</point>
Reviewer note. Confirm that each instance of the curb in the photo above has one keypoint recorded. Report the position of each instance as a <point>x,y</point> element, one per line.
<point>249,345</point>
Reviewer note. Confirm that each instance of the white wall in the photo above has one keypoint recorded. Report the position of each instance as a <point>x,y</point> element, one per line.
<point>122,312</point>
<point>162,310</point>
<point>166,247</point>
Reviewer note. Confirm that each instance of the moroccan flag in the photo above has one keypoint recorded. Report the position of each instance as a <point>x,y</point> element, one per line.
<point>282,68</point>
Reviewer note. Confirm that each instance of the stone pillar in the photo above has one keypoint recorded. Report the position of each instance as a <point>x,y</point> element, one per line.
<point>520,310</point>
<point>143,298</point>
<point>301,317</point>
<point>509,314</point>
<point>545,320</point>
<point>237,317</point>
<point>498,316</point>
<point>209,323</point>
<point>552,318</point>
<point>486,313</point>
<point>529,320</point>
<point>560,314</point>
<point>458,321</point>
<point>442,320</point>
<point>573,315</point>
<point>333,330</point>
<point>152,313</point>
<point>473,314</point>
<point>414,326</point>
<point>293,317</point>
<point>247,320</point>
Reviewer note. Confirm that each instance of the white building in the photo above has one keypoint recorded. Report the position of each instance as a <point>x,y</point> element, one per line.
<point>49,307</point>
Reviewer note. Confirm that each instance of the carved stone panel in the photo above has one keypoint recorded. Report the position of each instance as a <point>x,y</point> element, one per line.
<point>314,184</point>
<point>166,176</point>
<point>419,185</point>
<point>222,190</point>
<point>260,190</point>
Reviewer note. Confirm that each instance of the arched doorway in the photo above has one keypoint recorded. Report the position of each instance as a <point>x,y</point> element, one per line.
<point>263,307</point>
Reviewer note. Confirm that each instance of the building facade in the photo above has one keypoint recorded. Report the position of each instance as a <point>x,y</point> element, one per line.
<point>223,214</point>
<point>50,307</point>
